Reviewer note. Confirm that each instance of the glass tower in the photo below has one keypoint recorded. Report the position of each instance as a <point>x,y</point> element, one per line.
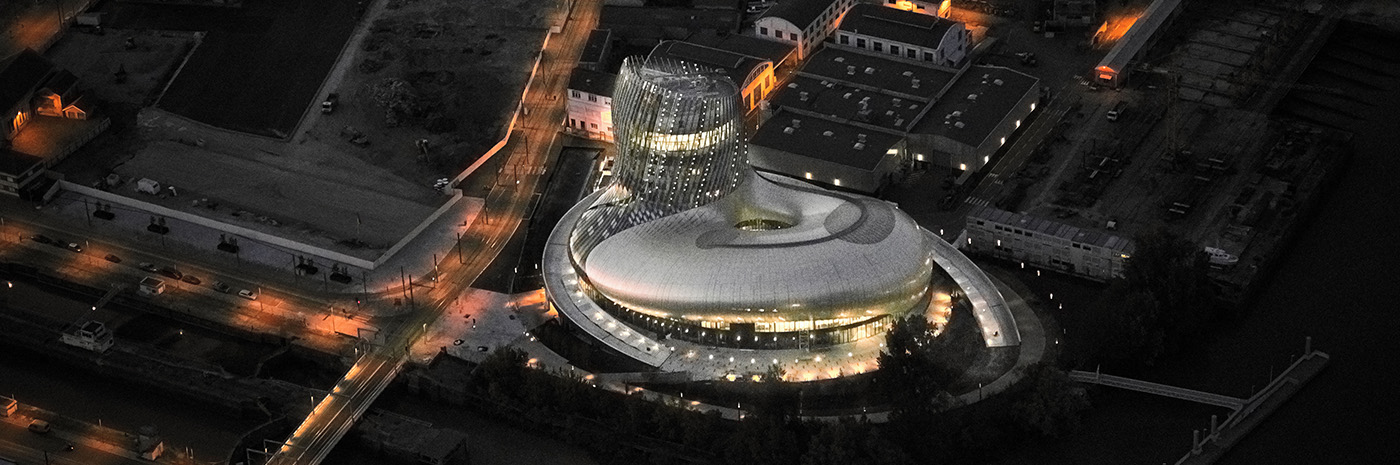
<point>679,146</point>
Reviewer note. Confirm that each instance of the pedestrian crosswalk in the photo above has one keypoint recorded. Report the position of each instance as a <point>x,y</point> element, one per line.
<point>976,201</point>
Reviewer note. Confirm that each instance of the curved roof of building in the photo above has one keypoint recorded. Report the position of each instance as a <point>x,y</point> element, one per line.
<point>798,12</point>
<point>842,256</point>
<point>896,24</point>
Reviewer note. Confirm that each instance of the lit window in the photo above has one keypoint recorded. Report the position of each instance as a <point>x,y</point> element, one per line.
<point>836,181</point>
<point>962,166</point>
<point>1018,123</point>
<point>1032,106</point>
<point>919,156</point>
<point>808,175</point>
<point>986,159</point>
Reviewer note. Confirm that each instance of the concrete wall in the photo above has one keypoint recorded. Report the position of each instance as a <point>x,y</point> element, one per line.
<point>825,172</point>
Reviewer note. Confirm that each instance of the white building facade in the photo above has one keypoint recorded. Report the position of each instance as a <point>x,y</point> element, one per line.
<point>590,105</point>
<point>803,23</point>
<point>1086,253</point>
<point>904,34</point>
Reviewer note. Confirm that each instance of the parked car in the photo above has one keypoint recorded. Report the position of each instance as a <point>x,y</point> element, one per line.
<point>74,246</point>
<point>191,279</point>
<point>40,238</point>
<point>247,294</point>
<point>113,258</point>
<point>328,105</point>
<point>221,287</point>
<point>172,272</point>
<point>39,426</point>
<point>148,266</point>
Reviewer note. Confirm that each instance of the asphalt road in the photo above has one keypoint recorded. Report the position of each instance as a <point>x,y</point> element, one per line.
<point>534,138</point>
<point>21,445</point>
<point>274,311</point>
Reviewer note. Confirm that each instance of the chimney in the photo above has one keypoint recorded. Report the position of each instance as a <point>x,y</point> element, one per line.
<point>915,83</point>
<point>802,96</point>
<point>796,123</point>
<point>850,70</point>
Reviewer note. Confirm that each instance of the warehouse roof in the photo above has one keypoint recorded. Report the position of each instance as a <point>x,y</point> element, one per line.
<point>848,103</point>
<point>896,25</point>
<point>877,72</point>
<point>799,12</point>
<point>736,66</point>
<point>979,101</point>
<point>593,82</point>
<point>824,139</point>
<point>770,50</point>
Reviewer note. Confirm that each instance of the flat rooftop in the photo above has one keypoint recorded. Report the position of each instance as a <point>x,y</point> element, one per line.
<point>824,139</point>
<point>596,47</point>
<point>770,50</point>
<point>896,25</point>
<point>1051,228</point>
<point>593,82</point>
<point>997,91</point>
<point>736,66</point>
<point>848,103</point>
<point>878,72</point>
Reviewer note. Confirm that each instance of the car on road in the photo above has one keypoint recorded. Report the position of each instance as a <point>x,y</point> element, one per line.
<point>221,287</point>
<point>328,105</point>
<point>40,238</point>
<point>39,426</point>
<point>148,266</point>
<point>172,272</point>
<point>113,258</point>
<point>190,279</point>
<point>74,246</point>
<point>247,294</point>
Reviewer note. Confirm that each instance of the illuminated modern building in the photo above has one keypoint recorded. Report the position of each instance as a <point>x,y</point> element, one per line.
<point>689,247</point>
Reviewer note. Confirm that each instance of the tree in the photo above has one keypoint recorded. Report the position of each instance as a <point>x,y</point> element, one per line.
<point>1172,271</point>
<point>395,96</point>
<point>907,374</point>
<point>501,374</point>
<point>1053,404</point>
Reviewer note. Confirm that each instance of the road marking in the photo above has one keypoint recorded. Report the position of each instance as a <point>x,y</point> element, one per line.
<point>976,201</point>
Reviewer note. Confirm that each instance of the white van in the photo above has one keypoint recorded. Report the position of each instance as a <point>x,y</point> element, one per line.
<point>1117,111</point>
